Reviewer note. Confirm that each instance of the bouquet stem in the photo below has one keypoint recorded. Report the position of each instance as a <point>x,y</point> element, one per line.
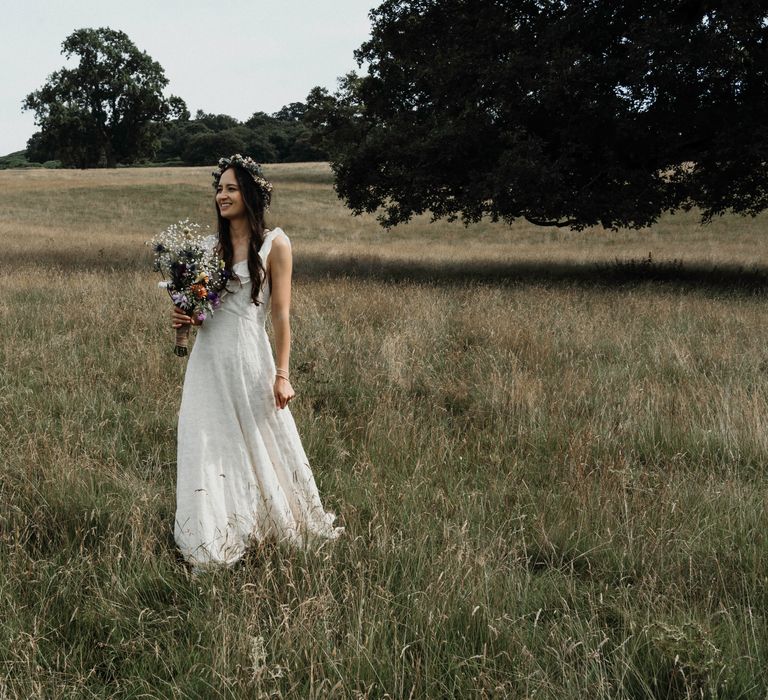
<point>182,341</point>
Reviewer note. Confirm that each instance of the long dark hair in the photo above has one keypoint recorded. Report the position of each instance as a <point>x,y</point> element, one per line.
<point>253,199</point>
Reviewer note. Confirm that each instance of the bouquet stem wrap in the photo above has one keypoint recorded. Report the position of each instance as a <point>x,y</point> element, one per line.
<point>182,341</point>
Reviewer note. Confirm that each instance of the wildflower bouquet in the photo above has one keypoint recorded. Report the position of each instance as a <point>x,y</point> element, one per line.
<point>194,274</point>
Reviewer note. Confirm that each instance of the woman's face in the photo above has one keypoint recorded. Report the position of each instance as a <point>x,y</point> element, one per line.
<point>228,196</point>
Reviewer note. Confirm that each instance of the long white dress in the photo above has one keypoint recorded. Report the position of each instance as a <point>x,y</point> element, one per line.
<point>242,475</point>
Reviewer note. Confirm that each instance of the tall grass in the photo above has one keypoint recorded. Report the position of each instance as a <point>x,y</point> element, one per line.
<point>548,450</point>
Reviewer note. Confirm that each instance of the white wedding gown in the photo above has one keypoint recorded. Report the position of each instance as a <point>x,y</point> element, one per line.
<point>242,474</point>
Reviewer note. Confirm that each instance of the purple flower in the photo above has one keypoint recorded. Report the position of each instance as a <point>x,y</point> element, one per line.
<point>201,316</point>
<point>179,299</point>
<point>214,299</point>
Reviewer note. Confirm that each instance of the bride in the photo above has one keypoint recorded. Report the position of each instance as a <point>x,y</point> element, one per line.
<point>242,474</point>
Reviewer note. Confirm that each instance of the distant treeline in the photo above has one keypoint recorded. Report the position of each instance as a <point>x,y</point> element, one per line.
<point>281,137</point>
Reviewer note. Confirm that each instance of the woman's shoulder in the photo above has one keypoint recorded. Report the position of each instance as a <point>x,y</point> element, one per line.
<point>278,239</point>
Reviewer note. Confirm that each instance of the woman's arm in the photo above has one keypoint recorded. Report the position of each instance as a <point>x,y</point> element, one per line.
<point>280,272</point>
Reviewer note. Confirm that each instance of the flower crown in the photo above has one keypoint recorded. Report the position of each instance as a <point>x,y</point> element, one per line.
<point>252,167</point>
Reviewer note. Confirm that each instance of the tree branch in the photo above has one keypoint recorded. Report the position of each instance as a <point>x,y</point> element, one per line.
<point>550,222</point>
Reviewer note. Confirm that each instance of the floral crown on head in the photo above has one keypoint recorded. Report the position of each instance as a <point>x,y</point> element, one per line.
<point>249,165</point>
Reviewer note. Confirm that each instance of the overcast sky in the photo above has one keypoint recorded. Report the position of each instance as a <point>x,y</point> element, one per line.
<point>233,57</point>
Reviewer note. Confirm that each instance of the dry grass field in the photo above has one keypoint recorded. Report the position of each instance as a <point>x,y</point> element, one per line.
<point>548,450</point>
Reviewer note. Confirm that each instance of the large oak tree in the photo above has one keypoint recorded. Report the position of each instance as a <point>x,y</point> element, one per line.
<point>565,112</point>
<point>104,110</point>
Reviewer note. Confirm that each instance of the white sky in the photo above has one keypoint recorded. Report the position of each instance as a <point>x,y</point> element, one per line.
<point>231,57</point>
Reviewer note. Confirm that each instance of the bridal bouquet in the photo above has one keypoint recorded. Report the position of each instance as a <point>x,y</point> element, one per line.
<point>194,274</point>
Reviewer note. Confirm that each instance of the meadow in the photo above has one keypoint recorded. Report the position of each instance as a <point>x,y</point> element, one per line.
<point>548,449</point>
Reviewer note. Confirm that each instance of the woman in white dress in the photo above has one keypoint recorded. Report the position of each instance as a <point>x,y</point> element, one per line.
<point>242,474</point>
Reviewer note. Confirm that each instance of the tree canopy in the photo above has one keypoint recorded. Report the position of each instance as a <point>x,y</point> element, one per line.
<point>106,109</point>
<point>567,113</point>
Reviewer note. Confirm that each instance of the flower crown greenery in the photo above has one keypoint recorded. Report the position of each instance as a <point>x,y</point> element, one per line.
<point>252,167</point>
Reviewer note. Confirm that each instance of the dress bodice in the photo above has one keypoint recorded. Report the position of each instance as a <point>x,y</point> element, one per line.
<point>237,296</point>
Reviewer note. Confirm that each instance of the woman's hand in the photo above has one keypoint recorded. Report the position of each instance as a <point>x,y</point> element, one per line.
<point>179,318</point>
<point>283,392</point>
